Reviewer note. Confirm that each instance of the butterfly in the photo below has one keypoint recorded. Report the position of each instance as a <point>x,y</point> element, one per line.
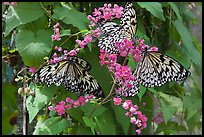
<point>156,69</point>
<point>114,32</point>
<point>73,73</point>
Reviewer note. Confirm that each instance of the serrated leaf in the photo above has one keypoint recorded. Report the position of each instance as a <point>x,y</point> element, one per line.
<point>23,13</point>
<point>33,47</point>
<point>155,8</point>
<point>42,96</point>
<point>51,126</point>
<point>70,15</point>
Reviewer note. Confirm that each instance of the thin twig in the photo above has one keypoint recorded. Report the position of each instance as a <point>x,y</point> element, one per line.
<point>24,104</point>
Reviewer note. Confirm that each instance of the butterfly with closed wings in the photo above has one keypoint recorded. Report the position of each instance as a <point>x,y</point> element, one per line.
<point>73,73</point>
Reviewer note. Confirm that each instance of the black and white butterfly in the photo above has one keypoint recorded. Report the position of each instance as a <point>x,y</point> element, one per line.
<point>156,69</point>
<point>73,73</point>
<point>114,32</point>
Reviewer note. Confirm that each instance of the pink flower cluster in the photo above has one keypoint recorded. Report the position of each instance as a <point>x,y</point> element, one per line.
<point>122,74</point>
<point>84,42</point>
<point>64,56</point>
<point>105,13</point>
<point>126,47</point>
<point>62,106</point>
<point>12,3</point>
<point>56,35</point>
<point>136,117</point>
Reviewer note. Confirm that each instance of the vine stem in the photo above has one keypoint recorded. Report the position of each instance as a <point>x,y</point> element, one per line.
<point>105,100</point>
<point>24,103</point>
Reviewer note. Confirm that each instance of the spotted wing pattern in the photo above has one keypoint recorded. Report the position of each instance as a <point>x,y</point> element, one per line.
<point>157,69</point>
<point>73,73</point>
<point>113,32</point>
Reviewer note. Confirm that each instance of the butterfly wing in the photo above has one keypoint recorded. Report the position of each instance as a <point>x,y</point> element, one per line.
<point>156,69</point>
<point>117,33</point>
<point>129,20</point>
<point>108,27</point>
<point>73,73</point>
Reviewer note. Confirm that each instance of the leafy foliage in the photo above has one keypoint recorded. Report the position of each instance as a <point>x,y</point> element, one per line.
<point>27,29</point>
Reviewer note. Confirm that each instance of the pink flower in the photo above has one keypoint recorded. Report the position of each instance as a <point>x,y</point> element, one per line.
<point>154,49</point>
<point>81,100</point>
<point>118,11</point>
<point>96,12</point>
<point>144,125</point>
<point>138,131</point>
<point>88,39</point>
<point>133,110</point>
<point>117,101</point>
<point>125,105</point>
<point>96,33</point>
<point>59,49</point>
<point>50,107</point>
<point>80,43</point>
<point>133,120</point>
<point>76,104</point>
<point>129,102</point>
<point>6,3</point>
<point>60,108</point>
<point>72,53</point>
<point>32,69</point>
<point>69,100</point>
<point>68,106</point>
<point>128,114</point>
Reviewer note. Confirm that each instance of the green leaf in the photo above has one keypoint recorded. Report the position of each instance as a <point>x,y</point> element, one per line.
<point>192,104</point>
<point>167,110</point>
<point>42,96</point>
<point>155,8</point>
<point>33,47</point>
<point>89,107</point>
<point>65,32</point>
<point>188,42</point>
<point>70,15</point>
<point>81,130</point>
<point>51,126</point>
<point>90,123</point>
<point>170,128</point>
<point>121,118</point>
<point>142,92</point>
<point>176,10</point>
<point>105,123</point>
<point>23,13</point>
<point>76,113</point>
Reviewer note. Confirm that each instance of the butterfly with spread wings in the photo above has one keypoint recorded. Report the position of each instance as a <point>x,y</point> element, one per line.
<point>114,32</point>
<point>73,73</point>
<point>156,69</point>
